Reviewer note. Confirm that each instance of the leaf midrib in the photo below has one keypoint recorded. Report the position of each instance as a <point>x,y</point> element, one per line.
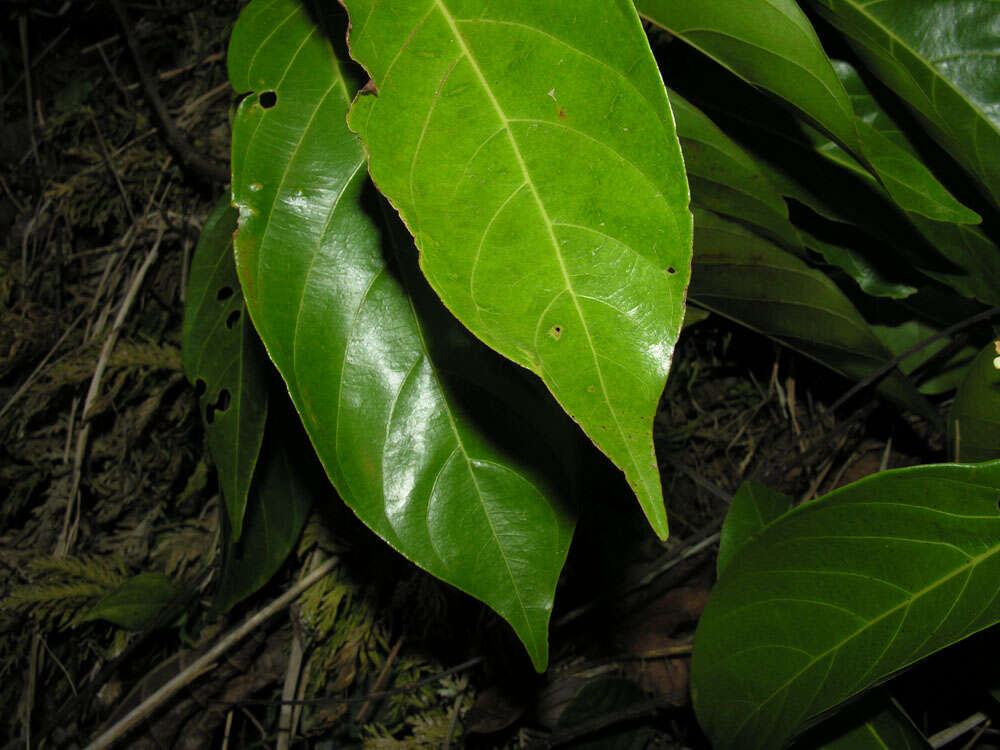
<point>460,39</point>
<point>972,563</point>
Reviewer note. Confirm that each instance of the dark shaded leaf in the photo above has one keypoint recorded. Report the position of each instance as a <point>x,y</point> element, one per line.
<point>839,594</point>
<point>974,419</point>
<point>223,357</point>
<point>604,698</point>
<point>754,282</point>
<point>277,509</point>
<point>136,604</point>
<point>944,376</point>
<point>769,44</point>
<point>726,180</point>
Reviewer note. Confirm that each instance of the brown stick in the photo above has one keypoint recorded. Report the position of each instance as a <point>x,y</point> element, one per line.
<point>205,662</point>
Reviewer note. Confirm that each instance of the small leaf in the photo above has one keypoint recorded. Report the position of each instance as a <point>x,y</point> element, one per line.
<point>940,58</point>
<point>530,149</point>
<point>909,182</point>
<point>974,419</point>
<point>277,508</point>
<point>754,506</point>
<point>443,449</point>
<point>754,282</point>
<point>868,278</point>
<point>839,594</point>
<point>222,356</point>
<point>136,604</point>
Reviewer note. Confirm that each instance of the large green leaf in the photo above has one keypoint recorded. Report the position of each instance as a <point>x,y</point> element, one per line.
<point>767,43</point>
<point>974,419</point>
<point>277,508</point>
<point>530,149</point>
<point>841,593</point>
<point>746,278</point>
<point>223,356</point>
<point>425,433</point>
<point>940,56</point>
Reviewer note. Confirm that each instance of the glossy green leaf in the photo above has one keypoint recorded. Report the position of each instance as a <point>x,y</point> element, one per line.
<point>753,507</point>
<point>875,723</point>
<point>726,180</point>
<point>427,435</point>
<point>769,44</point>
<point>940,57</point>
<point>840,594</point>
<point>136,604</point>
<point>530,149</point>
<point>974,418</point>
<point>222,355</point>
<point>277,509</point>
<point>746,278</point>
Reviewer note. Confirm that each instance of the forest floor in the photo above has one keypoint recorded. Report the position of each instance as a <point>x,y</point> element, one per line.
<point>104,473</point>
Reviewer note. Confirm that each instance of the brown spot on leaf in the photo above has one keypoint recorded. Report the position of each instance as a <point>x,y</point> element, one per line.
<point>555,332</point>
<point>562,113</point>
